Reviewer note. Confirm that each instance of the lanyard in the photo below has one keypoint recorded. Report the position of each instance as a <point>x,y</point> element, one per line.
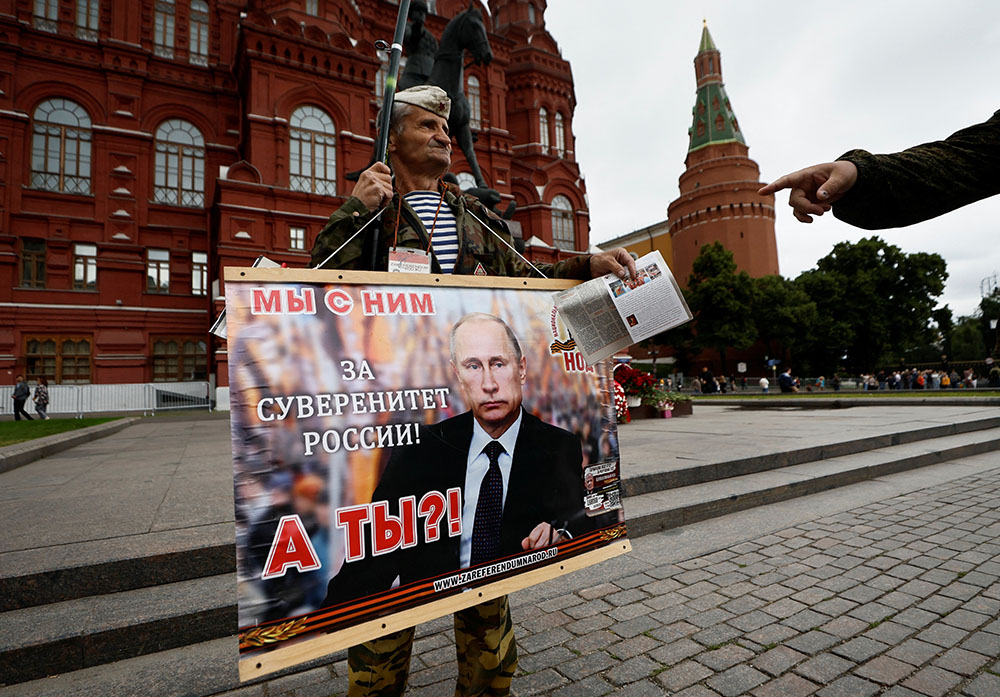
<point>399,210</point>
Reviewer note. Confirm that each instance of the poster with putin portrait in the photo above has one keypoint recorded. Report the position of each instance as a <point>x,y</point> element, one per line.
<point>405,446</point>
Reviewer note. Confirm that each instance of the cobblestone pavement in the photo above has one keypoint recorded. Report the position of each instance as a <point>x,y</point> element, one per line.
<point>899,597</point>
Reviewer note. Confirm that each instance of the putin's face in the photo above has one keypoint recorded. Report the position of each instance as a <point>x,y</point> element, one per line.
<point>489,373</point>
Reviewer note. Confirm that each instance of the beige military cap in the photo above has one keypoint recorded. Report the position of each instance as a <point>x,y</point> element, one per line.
<point>429,97</point>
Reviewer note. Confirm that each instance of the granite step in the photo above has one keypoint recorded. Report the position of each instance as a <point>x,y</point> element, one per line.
<point>673,507</point>
<point>75,634</point>
<point>64,572</point>
<point>691,474</point>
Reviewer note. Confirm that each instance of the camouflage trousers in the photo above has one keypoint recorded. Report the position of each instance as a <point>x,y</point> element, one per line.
<point>484,645</point>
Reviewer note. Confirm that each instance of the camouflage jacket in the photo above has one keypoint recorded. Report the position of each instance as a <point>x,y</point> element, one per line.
<point>477,246</point>
<point>925,181</point>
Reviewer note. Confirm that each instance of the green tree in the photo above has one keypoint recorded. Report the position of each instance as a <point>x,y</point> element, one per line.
<point>874,301</point>
<point>967,340</point>
<point>721,301</point>
<point>784,316</point>
<point>989,309</point>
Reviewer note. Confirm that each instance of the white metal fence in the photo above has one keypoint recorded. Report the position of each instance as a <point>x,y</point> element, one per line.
<point>148,398</point>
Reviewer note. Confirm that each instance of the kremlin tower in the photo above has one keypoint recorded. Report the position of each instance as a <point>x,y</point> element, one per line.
<point>718,199</point>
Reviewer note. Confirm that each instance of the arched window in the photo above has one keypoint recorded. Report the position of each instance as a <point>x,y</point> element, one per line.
<point>543,129</point>
<point>87,14</point>
<point>560,135</point>
<point>563,235</point>
<point>465,181</point>
<point>60,147</point>
<point>163,28</point>
<point>312,151</point>
<point>198,40</point>
<point>475,109</point>
<point>180,164</point>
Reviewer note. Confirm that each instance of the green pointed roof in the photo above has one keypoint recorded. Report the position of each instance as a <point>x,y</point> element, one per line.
<point>713,120</point>
<point>706,39</point>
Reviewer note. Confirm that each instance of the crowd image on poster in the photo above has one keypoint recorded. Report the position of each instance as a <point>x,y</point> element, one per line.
<point>395,445</point>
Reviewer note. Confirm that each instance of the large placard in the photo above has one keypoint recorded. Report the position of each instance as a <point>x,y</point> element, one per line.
<point>360,406</point>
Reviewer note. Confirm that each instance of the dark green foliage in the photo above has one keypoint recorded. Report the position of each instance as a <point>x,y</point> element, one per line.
<point>967,342</point>
<point>785,316</point>
<point>874,302</point>
<point>865,306</point>
<point>721,301</point>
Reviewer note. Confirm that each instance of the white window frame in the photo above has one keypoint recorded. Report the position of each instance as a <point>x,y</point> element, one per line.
<point>179,164</point>
<point>312,151</point>
<point>61,147</point>
<point>46,15</point>
<point>198,33</point>
<point>543,129</point>
<point>158,271</point>
<point>84,266</point>
<point>199,273</point>
<point>474,95</point>
<point>88,14</point>
<point>563,228</point>
<point>164,26</point>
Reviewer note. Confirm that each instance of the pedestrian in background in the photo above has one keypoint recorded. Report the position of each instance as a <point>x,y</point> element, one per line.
<point>42,397</point>
<point>20,396</point>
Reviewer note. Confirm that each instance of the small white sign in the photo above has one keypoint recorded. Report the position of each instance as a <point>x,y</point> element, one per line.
<point>741,367</point>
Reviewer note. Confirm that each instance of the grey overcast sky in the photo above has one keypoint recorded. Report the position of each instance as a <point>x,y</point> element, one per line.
<point>807,81</point>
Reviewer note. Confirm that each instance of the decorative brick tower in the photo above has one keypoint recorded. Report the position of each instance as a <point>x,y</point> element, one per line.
<point>718,199</point>
<point>544,175</point>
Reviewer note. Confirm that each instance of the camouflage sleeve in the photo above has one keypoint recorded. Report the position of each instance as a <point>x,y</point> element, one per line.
<point>510,264</point>
<point>925,181</point>
<point>343,223</point>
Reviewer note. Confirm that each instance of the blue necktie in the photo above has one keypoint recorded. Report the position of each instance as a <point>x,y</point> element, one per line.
<point>489,509</point>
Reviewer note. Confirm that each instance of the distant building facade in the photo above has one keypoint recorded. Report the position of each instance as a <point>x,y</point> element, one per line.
<point>146,145</point>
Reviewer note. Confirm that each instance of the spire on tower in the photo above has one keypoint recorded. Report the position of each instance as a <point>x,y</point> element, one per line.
<point>706,39</point>
<point>713,118</point>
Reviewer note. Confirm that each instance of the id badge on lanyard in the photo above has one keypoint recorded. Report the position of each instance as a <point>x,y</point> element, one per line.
<point>409,260</point>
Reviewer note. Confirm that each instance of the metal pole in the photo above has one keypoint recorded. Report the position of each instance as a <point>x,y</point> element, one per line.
<point>388,95</point>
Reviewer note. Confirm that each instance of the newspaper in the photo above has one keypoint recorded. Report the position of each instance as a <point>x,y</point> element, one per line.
<point>609,314</point>
<point>218,327</point>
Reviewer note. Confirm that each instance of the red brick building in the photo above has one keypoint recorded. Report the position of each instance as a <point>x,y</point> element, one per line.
<point>146,145</point>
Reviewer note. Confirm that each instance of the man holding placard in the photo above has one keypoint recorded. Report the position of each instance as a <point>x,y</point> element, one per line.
<point>425,225</point>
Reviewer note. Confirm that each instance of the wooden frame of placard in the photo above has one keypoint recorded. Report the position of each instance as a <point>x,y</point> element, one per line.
<point>614,540</point>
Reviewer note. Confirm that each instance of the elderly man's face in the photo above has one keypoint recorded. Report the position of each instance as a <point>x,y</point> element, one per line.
<point>422,145</point>
<point>489,373</point>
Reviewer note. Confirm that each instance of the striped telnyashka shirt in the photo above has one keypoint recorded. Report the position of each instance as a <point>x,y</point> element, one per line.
<point>444,237</point>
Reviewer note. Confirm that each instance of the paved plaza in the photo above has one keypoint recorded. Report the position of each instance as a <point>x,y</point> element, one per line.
<point>898,597</point>
<point>889,586</point>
